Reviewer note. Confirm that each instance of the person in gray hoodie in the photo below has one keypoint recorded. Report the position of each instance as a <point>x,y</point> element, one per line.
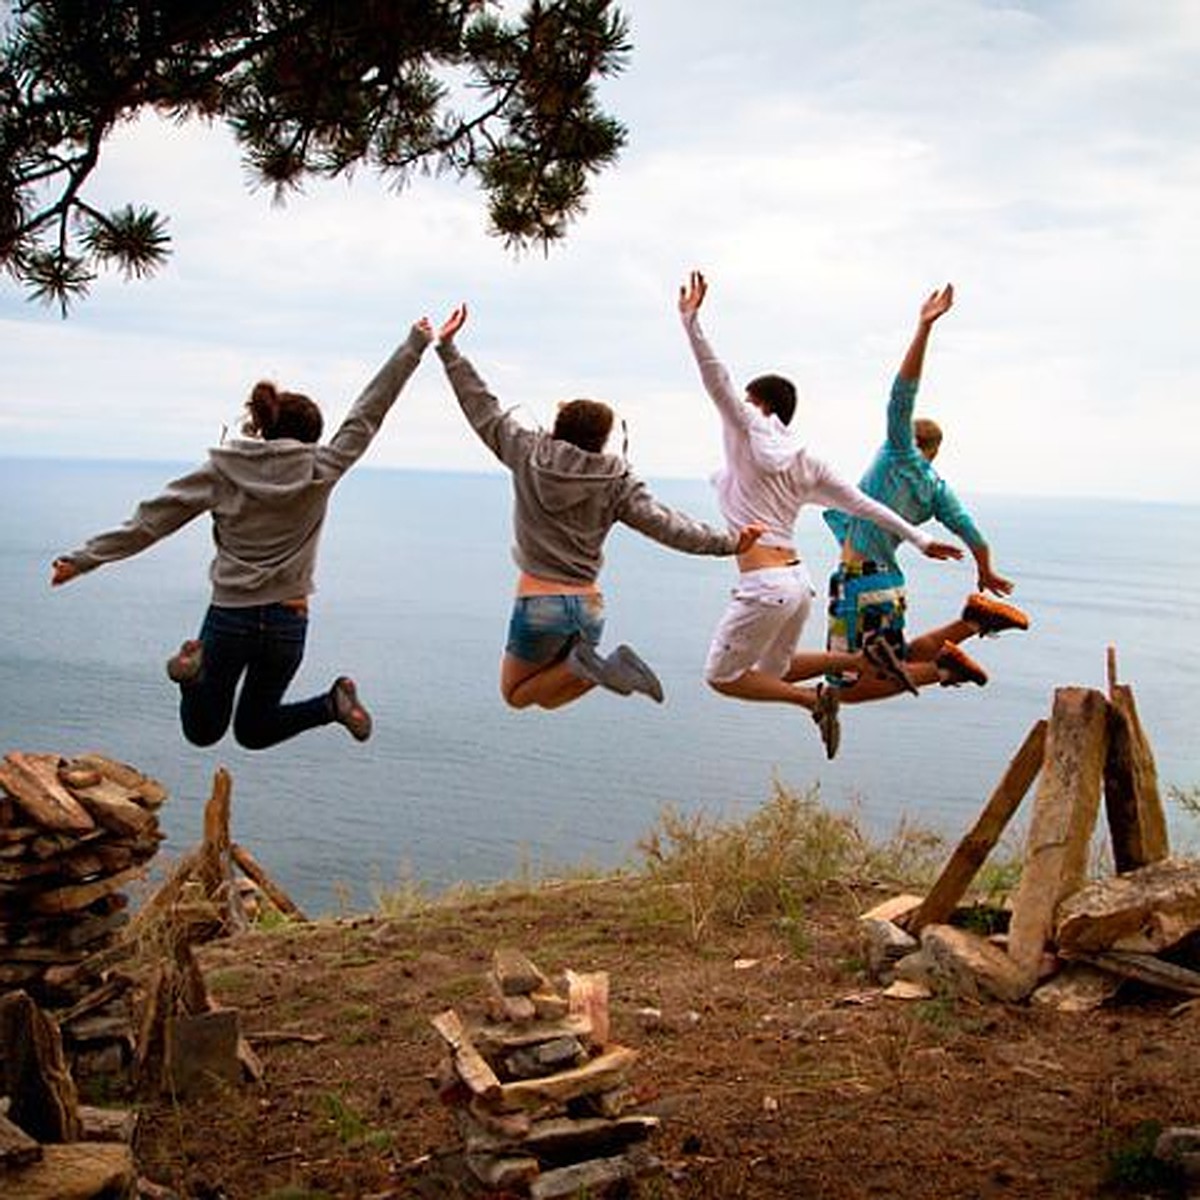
<point>268,493</point>
<point>567,494</point>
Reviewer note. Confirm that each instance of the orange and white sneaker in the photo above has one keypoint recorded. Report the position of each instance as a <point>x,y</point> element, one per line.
<point>956,666</point>
<point>992,616</point>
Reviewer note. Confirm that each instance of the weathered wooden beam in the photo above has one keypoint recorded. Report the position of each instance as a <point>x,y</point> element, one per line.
<point>254,871</point>
<point>1136,821</point>
<point>32,781</point>
<point>44,1101</point>
<point>1146,968</point>
<point>971,853</point>
<point>1065,808</point>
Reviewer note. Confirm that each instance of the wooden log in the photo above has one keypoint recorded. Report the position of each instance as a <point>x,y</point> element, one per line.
<point>44,1101</point>
<point>109,805</point>
<point>16,1146</point>
<point>1136,821</point>
<point>253,870</point>
<point>587,998</point>
<point>81,1171</point>
<point>471,1066</point>
<point>1146,968</point>
<point>981,839</point>
<point>32,781</point>
<point>598,1075</point>
<point>137,786</point>
<point>1064,817</point>
<point>80,895</point>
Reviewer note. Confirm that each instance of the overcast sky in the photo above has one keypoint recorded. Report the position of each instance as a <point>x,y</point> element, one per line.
<point>826,165</point>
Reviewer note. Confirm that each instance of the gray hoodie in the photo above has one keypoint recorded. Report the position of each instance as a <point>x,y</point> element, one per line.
<point>565,500</point>
<point>267,498</point>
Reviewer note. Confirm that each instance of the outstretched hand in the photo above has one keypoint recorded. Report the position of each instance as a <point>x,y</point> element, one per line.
<point>989,581</point>
<point>62,570</point>
<point>749,536</point>
<point>938,304</point>
<point>453,323</point>
<point>691,294</point>
<point>943,550</point>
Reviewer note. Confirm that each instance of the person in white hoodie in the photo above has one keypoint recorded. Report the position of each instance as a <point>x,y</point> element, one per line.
<point>768,476</point>
<point>268,493</point>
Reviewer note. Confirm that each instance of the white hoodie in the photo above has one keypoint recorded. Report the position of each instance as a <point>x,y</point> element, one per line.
<point>768,474</point>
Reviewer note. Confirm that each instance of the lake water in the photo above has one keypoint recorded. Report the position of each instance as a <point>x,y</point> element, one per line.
<point>415,583</point>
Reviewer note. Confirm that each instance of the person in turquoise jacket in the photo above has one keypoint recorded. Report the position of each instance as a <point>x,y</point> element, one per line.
<point>867,592</point>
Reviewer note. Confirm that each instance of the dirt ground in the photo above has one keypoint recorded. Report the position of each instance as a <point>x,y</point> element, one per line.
<point>777,1069</point>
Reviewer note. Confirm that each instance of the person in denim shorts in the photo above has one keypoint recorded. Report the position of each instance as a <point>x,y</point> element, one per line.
<point>267,493</point>
<point>567,495</point>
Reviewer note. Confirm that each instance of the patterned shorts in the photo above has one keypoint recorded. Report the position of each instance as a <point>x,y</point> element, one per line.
<point>864,600</point>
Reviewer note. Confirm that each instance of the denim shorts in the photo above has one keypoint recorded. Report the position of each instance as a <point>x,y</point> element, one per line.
<point>542,627</point>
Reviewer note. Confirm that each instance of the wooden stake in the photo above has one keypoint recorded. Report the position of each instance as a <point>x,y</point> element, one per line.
<point>972,851</point>
<point>253,870</point>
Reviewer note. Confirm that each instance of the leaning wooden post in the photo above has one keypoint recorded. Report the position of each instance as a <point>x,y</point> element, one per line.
<point>215,866</point>
<point>1136,820</point>
<point>1065,809</point>
<point>972,851</point>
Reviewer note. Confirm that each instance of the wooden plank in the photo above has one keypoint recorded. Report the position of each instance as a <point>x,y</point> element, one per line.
<point>1146,968</point>
<point>109,805</point>
<point>80,895</point>
<point>1065,808</point>
<point>587,998</point>
<point>254,871</point>
<point>1136,821</point>
<point>138,787</point>
<point>600,1074</point>
<point>471,1066</point>
<point>32,781</point>
<point>981,839</point>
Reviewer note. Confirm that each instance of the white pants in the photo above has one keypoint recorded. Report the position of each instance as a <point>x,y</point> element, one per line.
<point>761,627</point>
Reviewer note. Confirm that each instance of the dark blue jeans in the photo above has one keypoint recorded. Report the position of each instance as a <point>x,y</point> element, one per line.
<point>266,645</point>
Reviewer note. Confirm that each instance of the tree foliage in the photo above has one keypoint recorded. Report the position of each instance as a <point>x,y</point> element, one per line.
<point>310,88</point>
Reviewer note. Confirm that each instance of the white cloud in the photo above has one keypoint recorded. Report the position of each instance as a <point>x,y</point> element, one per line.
<point>826,165</point>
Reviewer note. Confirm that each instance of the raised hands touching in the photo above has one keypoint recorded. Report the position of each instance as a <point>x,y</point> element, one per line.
<point>691,294</point>
<point>453,323</point>
<point>748,536</point>
<point>942,550</point>
<point>937,304</point>
<point>61,571</point>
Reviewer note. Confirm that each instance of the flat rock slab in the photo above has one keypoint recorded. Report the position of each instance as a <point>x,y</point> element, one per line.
<point>1077,988</point>
<point>1146,910</point>
<point>75,1171</point>
<point>968,965</point>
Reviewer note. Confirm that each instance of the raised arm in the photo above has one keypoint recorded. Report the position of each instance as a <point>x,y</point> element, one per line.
<point>497,428</point>
<point>365,417</point>
<point>904,389</point>
<point>182,500</point>
<point>713,374</point>
<point>641,511</point>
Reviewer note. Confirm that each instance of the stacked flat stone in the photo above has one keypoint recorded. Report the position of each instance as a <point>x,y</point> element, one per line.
<point>540,1094</point>
<point>73,834</point>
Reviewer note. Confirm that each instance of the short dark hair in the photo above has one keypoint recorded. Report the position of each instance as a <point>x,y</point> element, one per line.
<point>584,423</point>
<point>777,393</point>
<point>275,414</point>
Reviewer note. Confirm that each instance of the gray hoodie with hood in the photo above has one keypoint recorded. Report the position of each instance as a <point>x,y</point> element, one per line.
<point>565,500</point>
<point>268,499</point>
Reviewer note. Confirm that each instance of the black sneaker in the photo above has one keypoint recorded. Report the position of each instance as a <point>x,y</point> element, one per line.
<point>992,616</point>
<point>825,714</point>
<point>882,655</point>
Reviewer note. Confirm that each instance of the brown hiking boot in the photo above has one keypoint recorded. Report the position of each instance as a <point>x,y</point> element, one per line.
<point>956,666</point>
<point>348,710</point>
<point>992,616</point>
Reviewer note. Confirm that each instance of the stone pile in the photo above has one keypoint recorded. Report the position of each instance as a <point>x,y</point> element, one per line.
<point>540,1093</point>
<point>73,834</point>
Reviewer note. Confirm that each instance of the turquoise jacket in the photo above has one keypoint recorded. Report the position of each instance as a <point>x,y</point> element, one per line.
<point>902,478</point>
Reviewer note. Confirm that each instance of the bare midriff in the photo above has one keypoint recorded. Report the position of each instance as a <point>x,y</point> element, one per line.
<point>535,585</point>
<point>300,605</point>
<point>758,557</point>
